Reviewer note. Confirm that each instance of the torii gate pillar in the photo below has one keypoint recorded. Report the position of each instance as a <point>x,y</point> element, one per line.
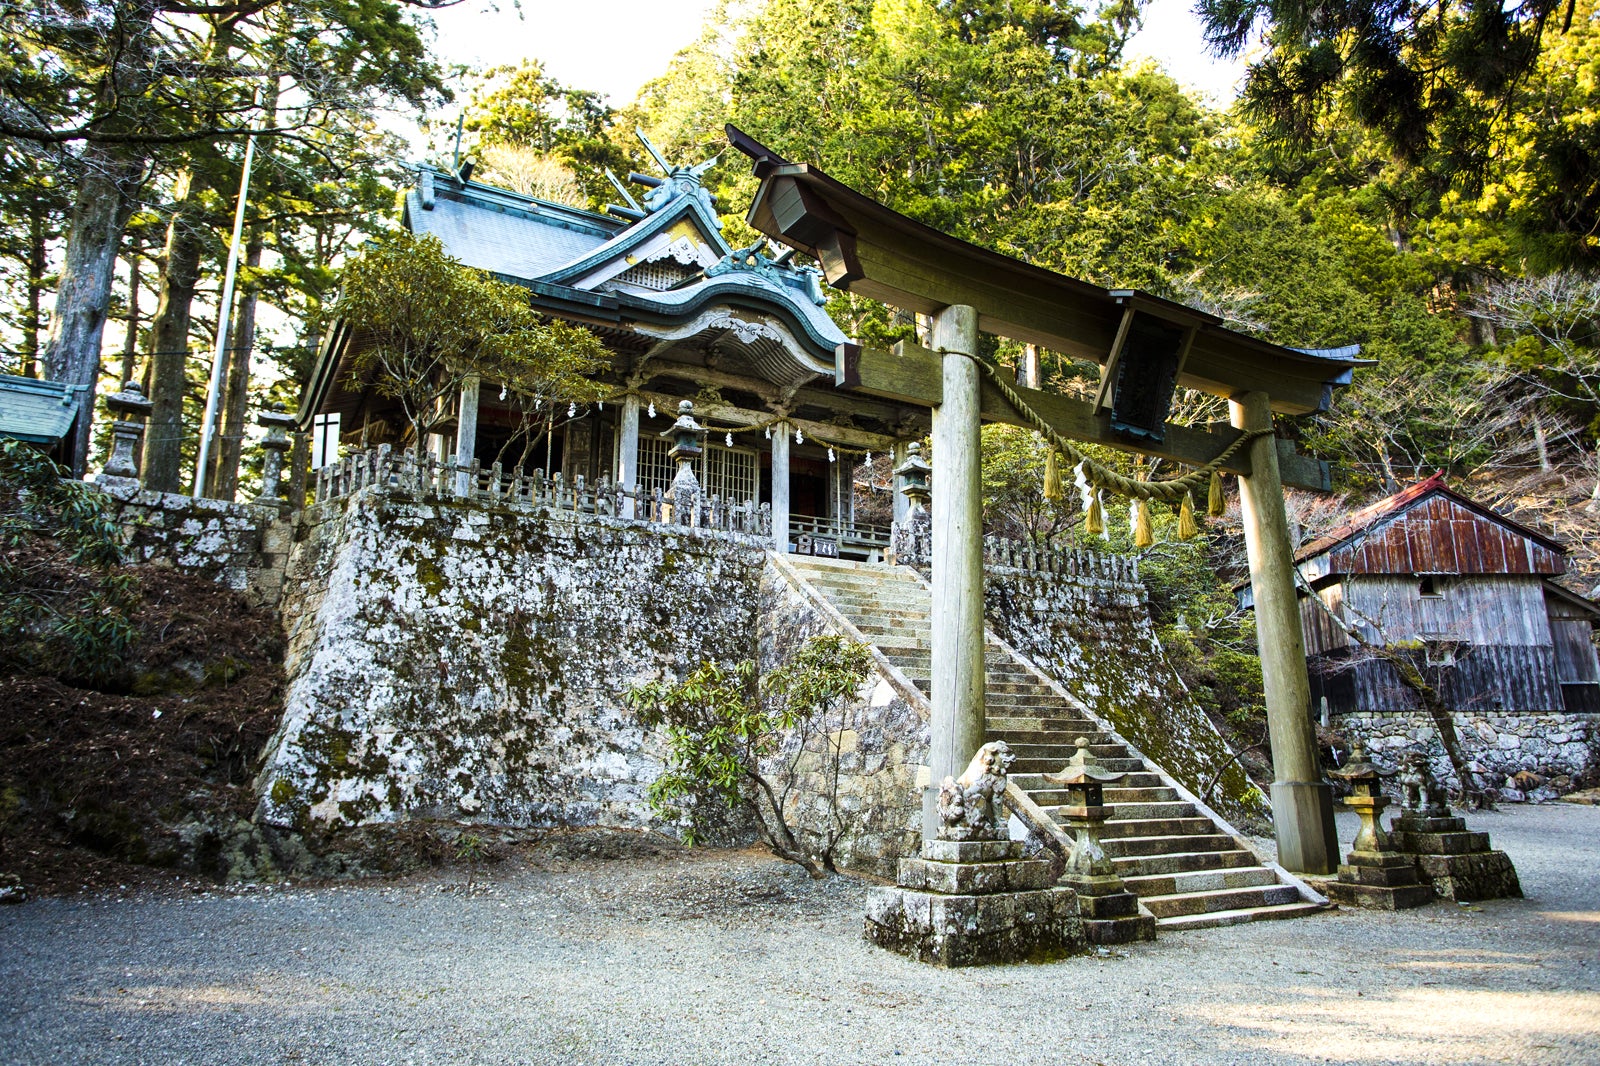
<point>957,682</point>
<point>1302,805</point>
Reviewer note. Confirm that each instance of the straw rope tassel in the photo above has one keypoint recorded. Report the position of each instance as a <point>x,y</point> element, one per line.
<point>1052,477</point>
<point>1094,523</point>
<point>1215,505</point>
<point>1142,537</point>
<point>1187,526</point>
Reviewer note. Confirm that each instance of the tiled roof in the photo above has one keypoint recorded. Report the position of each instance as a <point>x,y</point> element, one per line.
<point>513,243</point>
<point>39,412</point>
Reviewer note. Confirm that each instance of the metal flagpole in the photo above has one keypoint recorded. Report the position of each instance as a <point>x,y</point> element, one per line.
<point>208,428</point>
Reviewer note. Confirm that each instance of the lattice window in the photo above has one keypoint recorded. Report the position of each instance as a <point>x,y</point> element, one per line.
<point>731,473</point>
<point>658,276</point>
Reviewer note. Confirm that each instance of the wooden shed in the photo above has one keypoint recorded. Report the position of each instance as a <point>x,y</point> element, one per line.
<point>1470,592</point>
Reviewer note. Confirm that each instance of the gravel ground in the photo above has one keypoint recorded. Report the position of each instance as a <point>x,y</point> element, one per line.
<point>717,957</point>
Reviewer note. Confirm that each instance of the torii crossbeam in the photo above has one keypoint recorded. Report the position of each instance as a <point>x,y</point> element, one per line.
<point>1145,346</point>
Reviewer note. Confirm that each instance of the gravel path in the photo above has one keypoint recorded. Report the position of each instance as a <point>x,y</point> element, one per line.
<point>713,957</point>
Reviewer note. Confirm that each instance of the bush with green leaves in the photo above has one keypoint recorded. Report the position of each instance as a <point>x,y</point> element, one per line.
<point>724,723</point>
<point>65,599</point>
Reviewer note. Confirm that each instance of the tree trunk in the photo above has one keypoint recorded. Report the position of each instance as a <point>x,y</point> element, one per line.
<point>224,474</point>
<point>33,317</point>
<point>107,188</point>
<point>169,345</point>
<point>130,339</point>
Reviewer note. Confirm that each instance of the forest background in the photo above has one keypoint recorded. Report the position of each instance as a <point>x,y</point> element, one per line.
<point>1420,179</point>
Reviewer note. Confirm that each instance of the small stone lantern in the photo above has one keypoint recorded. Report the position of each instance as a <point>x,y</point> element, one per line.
<point>1374,874</point>
<point>912,540</point>
<point>1109,911</point>
<point>130,408</point>
<point>277,424</point>
<point>1366,799</point>
<point>684,493</point>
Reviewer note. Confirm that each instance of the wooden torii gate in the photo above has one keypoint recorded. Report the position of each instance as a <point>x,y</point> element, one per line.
<point>1145,345</point>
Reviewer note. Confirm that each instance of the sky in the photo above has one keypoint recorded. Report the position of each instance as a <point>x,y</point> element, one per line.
<point>615,46</point>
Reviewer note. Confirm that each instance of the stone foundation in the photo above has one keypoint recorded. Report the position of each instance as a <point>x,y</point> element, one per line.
<point>1458,863</point>
<point>972,904</point>
<point>244,546</point>
<point>1499,744</point>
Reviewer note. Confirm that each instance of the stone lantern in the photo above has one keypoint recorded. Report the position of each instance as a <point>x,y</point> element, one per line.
<point>1110,912</point>
<point>277,424</point>
<point>912,540</point>
<point>130,408</point>
<point>1374,874</point>
<point>684,494</point>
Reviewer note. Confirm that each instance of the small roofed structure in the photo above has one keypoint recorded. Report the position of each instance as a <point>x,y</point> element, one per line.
<point>41,413</point>
<point>1472,592</point>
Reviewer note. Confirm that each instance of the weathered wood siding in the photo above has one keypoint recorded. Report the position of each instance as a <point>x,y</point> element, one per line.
<point>1495,627</point>
<point>1575,655</point>
<point>1483,610</point>
<point>1440,536</point>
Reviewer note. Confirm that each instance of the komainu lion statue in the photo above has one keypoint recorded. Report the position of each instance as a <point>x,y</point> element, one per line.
<point>969,806</point>
<point>1419,790</point>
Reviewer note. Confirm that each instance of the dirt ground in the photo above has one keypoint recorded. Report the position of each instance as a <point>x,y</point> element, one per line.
<point>592,949</point>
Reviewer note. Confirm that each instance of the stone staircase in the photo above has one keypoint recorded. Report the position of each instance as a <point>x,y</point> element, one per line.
<point>1189,870</point>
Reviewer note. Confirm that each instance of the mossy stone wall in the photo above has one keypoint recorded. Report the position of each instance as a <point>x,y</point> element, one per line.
<point>1094,636</point>
<point>469,662</point>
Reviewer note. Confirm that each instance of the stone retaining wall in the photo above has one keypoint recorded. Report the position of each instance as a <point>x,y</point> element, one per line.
<point>241,545</point>
<point>458,660</point>
<point>882,739</point>
<point>1498,744</point>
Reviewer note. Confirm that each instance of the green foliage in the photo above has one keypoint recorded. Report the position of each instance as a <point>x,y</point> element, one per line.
<point>65,600</point>
<point>427,322</point>
<point>721,723</point>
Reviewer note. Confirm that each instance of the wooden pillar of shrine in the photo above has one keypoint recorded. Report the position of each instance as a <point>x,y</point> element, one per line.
<point>1302,804</point>
<point>957,683</point>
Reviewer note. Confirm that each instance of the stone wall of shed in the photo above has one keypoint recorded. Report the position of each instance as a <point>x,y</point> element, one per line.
<point>241,545</point>
<point>1498,744</point>
<point>469,662</point>
<point>1093,635</point>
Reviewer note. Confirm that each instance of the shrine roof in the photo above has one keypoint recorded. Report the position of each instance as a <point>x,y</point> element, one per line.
<point>39,412</point>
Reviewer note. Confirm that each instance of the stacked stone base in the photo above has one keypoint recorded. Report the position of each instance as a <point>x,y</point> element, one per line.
<point>1458,863</point>
<point>1110,913</point>
<point>970,903</point>
<point>1380,881</point>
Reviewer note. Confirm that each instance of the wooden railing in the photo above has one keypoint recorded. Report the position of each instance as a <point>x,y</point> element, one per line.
<point>446,479</point>
<point>849,534</point>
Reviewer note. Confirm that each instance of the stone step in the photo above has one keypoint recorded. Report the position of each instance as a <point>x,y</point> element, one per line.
<point>1053,766</point>
<point>1036,737</point>
<point>1064,751</point>
<point>1168,844</point>
<point>1038,705</point>
<point>1215,919</point>
<point>1118,796</point>
<point>1220,899</point>
<point>1035,782</point>
<point>1177,861</point>
<point>1125,810</point>
<point>1079,727</point>
<point>1199,881</point>
<point>1152,827</point>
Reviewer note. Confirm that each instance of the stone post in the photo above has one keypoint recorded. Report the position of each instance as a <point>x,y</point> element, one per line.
<point>1302,803</point>
<point>780,487</point>
<point>277,424</point>
<point>628,453</point>
<point>130,408</point>
<point>467,433</point>
<point>957,645</point>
